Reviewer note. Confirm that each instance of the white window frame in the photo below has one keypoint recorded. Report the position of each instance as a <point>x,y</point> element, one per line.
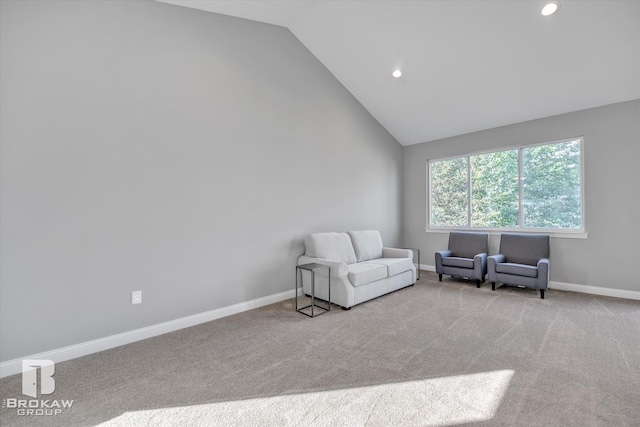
<point>554,232</point>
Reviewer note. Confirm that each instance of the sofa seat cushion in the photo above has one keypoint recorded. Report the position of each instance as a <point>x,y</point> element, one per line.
<point>332,246</point>
<point>367,244</point>
<point>453,261</point>
<point>517,269</point>
<point>363,273</point>
<point>394,265</point>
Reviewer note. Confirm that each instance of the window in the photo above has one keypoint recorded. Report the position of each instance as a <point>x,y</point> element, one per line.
<point>535,187</point>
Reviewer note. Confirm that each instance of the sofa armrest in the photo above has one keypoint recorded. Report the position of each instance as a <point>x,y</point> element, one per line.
<point>338,269</point>
<point>439,256</point>
<point>444,254</point>
<point>496,259</point>
<point>491,265</point>
<point>480,266</point>
<point>543,273</point>
<point>397,253</point>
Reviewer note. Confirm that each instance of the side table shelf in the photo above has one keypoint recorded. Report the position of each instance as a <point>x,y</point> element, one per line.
<point>313,268</point>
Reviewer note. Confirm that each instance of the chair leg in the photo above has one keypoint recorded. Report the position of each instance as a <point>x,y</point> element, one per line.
<point>440,277</point>
<point>477,283</point>
<point>542,293</point>
<point>493,286</point>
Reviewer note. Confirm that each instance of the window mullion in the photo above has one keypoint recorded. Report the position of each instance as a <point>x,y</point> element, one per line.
<point>469,191</point>
<point>520,188</point>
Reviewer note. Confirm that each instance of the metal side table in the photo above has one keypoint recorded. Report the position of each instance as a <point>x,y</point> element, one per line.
<point>416,251</point>
<point>313,268</point>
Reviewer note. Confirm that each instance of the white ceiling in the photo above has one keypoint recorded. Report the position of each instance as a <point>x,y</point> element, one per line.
<point>467,65</point>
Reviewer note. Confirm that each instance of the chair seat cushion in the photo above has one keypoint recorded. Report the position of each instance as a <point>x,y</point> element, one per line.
<point>517,269</point>
<point>394,265</point>
<point>363,273</point>
<point>453,261</point>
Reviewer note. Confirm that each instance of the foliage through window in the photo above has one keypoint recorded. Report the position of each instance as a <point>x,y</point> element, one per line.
<point>533,187</point>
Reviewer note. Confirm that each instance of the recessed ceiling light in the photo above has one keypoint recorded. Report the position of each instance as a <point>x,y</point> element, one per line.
<point>396,73</point>
<point>550,8</point>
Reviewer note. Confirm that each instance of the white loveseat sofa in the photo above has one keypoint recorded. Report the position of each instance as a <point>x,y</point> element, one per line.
<point>361,268</point>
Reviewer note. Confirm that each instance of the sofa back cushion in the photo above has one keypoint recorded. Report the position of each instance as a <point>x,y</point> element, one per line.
<point>524,248</point>
<point>332,246</point>
<point>468,245</point>
<point>367,244</point>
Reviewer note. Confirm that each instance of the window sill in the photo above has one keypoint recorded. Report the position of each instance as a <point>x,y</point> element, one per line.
<point>494,232</point>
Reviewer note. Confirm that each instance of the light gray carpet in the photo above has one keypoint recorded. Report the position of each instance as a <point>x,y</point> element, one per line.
<point>433,354</point>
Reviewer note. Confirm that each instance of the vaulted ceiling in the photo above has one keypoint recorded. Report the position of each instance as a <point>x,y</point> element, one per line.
<point>467,65</point>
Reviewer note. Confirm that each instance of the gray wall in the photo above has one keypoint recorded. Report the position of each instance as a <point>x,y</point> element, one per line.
<point>608,258</point>
<point>186,154</point>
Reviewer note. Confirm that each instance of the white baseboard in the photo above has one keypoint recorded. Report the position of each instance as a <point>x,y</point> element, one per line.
<point>573,287</point>
<point>425,267</point>
<point>12,367</point>
<point>594,290</point>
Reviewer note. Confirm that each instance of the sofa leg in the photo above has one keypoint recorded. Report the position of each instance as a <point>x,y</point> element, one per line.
<point>542,293</point>
<point>440,277</point>
<point>346,308</point>
<point>493,286</point>
<point>477,283</point>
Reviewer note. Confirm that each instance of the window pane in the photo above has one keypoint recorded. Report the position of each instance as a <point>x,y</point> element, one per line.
<point>449,193</point>
<point>494,189</point>
<point>552,186</point>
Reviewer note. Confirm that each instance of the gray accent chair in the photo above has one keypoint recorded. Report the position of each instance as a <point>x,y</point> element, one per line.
<point>466,256</point>
<point>523,261</point>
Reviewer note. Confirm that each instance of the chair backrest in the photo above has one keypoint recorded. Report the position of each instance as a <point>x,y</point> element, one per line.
<point>524,248</point>
<point>467,245</point>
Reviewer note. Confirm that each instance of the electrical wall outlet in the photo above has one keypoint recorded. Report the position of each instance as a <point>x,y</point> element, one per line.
<point>136,297</point>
